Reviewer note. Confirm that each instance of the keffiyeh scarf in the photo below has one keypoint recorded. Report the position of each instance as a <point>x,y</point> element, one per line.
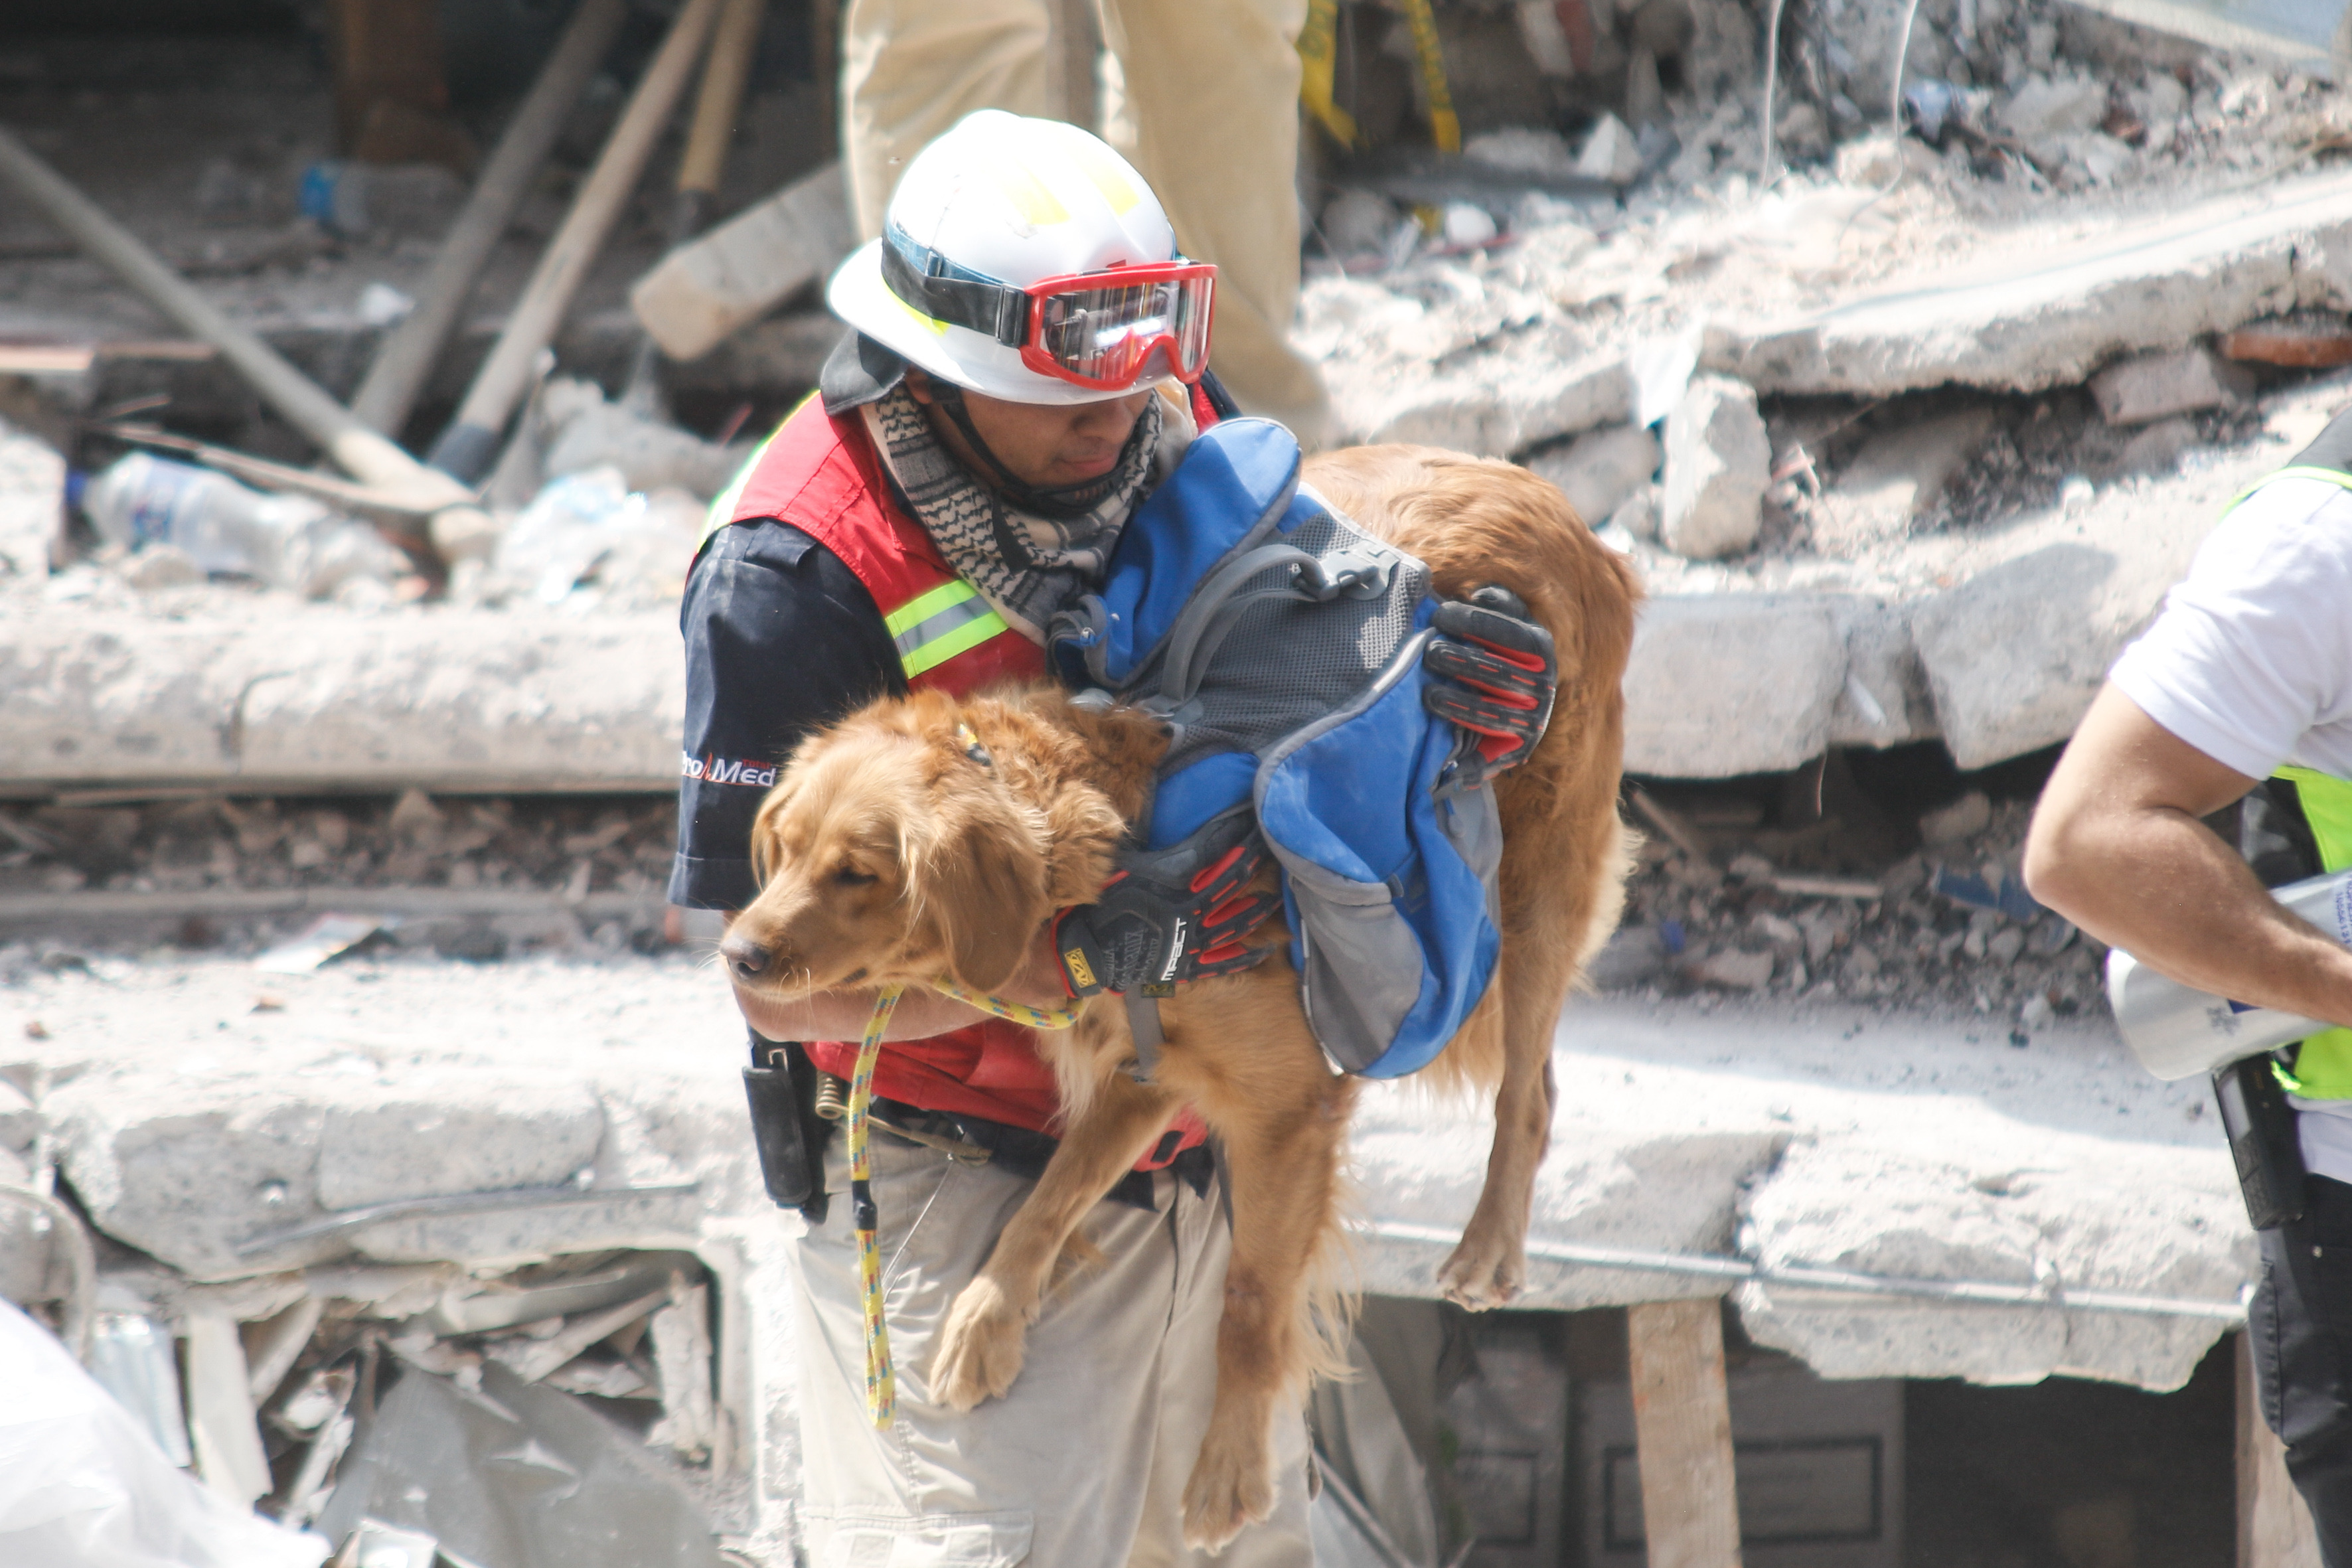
<point>1028,567</point>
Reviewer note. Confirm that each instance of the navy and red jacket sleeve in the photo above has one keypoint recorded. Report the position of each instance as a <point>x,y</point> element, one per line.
<point>781,639</point>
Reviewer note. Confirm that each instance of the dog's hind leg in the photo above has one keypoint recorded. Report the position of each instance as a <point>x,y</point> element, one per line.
<point>1490,1265</point>
<point>980,1347</point>
<point>1283,1164</point>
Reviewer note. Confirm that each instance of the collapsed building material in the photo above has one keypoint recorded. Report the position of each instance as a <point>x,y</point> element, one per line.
<point>467,448</point>
<point>702,292</point>
<point>443,701</point>
<point>2148,387</point>
<point>472,1472</point>
<point>1892,479</point>
<point>2040,322</point>
<point>1599,469</point>
<point>1681,1414</point>
<point>681,1336</point>
<point>358,450</point>
<point>221,1426</point>
<point>2314,34</point>
<point>406,360</point>
<point>32,522</point>
<point>2309,342</point>
<point>1718,463</point>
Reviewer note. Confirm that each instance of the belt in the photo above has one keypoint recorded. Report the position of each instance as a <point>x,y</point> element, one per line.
<point>975,1141</point>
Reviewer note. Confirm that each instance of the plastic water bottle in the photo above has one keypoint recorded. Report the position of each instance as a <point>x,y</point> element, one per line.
<point>2177,1032</point>
<point>222,526</point>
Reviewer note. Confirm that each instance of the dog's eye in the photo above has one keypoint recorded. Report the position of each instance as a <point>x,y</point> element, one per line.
<point>851,877</point>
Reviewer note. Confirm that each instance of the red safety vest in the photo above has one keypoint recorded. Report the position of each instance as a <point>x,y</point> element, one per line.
<point>819,474</point>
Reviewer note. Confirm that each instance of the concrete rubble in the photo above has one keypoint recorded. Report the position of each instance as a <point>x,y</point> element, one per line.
<point>1717,464</point>
<point>195,1128</point>
<point>1905,434</point>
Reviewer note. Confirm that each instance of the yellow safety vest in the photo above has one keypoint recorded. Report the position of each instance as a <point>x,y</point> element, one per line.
<point>2322,1064</point>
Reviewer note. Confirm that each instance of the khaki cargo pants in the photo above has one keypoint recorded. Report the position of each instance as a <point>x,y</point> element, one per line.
<point>1211,119</point>
<point>1082,1465</point>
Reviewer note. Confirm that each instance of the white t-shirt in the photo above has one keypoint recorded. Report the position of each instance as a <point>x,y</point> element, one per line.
<point>2251,662</point>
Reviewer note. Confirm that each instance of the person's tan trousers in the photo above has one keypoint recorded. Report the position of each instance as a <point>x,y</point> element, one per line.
<point>1083,1464</point>
<point>1212,90</point>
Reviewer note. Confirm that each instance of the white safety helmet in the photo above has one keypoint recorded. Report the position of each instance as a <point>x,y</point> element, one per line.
<point>994,209</point>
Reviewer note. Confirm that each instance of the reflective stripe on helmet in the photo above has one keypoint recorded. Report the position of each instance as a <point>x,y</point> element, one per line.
<point>933,628</point>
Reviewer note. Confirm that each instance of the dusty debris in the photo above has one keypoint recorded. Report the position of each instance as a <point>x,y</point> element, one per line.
<point>1948,929</point>
<point>737,272</point>
<point>2314,341</point>
<point>2149,387</point>
<point>1601,469</point>
<point>1717,464</point>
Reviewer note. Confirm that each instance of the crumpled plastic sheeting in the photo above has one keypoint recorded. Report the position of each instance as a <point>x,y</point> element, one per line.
<point>517,1475</point>
<point>81,1486</point>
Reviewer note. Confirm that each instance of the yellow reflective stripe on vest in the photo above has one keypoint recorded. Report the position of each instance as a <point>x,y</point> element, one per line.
<point>2328,475</point>
<point>933,628</point>
<point>2322,1064</point>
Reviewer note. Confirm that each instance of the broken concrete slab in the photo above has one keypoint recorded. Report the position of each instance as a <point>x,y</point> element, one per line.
<point>2022,320</point>
<point>1742,683</point>
<point>2014,654</point>
<point>1994,638</point>
<point>427,1141</point>
<point>1718,462</point>
<point>1493,407</point>
<point>1600,469</point>
<point>2010,1155</point>
<point>2148,387</point>
<point>441,699</point>
<point>2004,1217</point>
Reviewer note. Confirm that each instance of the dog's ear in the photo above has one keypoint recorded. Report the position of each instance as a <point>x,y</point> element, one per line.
<point>985,883</point>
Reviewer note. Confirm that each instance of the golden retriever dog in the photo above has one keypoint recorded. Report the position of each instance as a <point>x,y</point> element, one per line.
<point>891,851</point>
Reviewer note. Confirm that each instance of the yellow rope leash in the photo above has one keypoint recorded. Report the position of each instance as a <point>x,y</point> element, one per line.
<point>881,1383</point>
<point>881,1387</point>
<point>1061,1017</point>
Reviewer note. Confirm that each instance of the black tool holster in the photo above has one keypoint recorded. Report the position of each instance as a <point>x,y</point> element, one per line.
<point>781,1085</point>
<point>2260,1128</point>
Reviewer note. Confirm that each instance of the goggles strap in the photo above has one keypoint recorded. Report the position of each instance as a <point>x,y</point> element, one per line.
<point>940,290</point>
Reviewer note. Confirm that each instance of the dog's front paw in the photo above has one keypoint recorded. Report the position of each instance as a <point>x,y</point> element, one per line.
<point>1231,1486</point>
<point>980,1349</point>
<point>1485,1271</point>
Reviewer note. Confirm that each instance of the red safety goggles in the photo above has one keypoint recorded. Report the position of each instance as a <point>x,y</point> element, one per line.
<point>1100,329</point>
<point>1094,330</point>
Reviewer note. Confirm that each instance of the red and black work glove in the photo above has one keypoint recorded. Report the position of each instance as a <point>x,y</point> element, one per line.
<point>1492,674</point>
<point>1170,915</point>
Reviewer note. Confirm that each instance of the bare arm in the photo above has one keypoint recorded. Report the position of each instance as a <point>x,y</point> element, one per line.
<point>843,1015</point>
<point>2117,847</point>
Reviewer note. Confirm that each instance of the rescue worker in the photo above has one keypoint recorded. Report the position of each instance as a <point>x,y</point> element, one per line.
<point>1027,360</point>
<point>2240,692</point>
<point>1206,106</point>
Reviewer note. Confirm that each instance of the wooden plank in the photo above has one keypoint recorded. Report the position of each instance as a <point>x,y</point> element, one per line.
<point>2274,1528</point>
<point>1682,1427</point>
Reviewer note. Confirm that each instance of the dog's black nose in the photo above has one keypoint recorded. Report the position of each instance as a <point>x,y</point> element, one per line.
<point>747,958</point>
